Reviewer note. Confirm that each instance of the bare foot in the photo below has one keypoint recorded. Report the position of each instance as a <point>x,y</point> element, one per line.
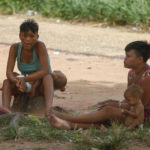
<point>103,128</point>
<point>59,123</point>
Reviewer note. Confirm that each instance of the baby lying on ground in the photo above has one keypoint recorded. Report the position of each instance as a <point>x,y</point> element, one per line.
<point>131,118</point>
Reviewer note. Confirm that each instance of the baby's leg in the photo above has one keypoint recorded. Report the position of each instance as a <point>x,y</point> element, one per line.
<point>35,88</point>
<point>134,124</point>
<point>103,128</point>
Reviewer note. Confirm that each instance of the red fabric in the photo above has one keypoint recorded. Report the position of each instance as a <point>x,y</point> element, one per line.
<point>3,111</point>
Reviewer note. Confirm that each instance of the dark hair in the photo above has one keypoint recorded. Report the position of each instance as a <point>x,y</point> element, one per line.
<point>59,79</point>
<point>135,91</point>
<point>29,25</point>
<point>141,48</point>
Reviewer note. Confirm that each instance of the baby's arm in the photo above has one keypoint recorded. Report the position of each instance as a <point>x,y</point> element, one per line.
<point>35,84</point>
<point>136,113</point>
<point>132,114</point>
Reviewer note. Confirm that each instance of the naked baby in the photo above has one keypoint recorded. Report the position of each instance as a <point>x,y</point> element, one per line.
<point>132,116</point>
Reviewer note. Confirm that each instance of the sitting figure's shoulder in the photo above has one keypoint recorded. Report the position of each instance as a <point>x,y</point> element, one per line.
<point>145,75</point>
<point>14,48</point>
<point>15,45</point>
<point>131,74</point>
<point>40,43</point>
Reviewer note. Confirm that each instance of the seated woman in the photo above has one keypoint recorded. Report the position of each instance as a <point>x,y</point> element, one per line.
<point>34,64</point>
<point>131,118</point>
<point>137,54</point>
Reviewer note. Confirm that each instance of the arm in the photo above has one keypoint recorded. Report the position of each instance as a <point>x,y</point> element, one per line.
<point>34,86</point>
<point>146,95</point>
<point>118,104</point>
<point>43,56</point>
<point>11,63</point>
<point>130,113</point>
<point>137,112</point>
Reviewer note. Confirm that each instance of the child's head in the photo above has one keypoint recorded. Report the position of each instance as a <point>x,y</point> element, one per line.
<point>60,80</point>
<point>133,94</point>
<point>28,34</point>
<point>29,25</point>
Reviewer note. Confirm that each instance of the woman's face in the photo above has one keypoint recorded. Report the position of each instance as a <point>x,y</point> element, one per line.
<point>28,39</point>
<point>131,60</point>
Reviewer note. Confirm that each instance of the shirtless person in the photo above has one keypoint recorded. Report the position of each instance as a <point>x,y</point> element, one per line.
<point>132,117</point>
<point>135,115</point>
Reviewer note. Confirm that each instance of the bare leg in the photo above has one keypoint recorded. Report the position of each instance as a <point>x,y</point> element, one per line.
<point>103,128</point>
<point>48,92</point>
<point>63,124</point>
<point>134,124</point>
<point>6,94</point>
<point>105,114</point>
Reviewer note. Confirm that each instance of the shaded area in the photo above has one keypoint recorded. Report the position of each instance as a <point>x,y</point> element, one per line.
<point>81,95</point>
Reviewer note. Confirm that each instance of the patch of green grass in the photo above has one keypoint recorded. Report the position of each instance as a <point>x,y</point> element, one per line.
<point>122,12</point>
<point>9,134</point>
<point>4,123</point>
<point>142,136</point>
<point>115,138</point>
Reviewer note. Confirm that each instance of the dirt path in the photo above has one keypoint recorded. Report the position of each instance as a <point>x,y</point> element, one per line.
<point>89,38</point>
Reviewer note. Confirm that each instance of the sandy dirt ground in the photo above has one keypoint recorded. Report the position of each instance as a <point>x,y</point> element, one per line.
<point>91,79</point>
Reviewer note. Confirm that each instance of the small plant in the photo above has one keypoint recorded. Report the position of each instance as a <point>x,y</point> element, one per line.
<point>115,138</point>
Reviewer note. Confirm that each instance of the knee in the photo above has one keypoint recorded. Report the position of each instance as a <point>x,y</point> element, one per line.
<point>59,80</point>
<point>6,81</point>
<point>47,79</point>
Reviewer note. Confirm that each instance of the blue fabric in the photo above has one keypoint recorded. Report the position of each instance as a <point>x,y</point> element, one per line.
<point>27,69</point>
